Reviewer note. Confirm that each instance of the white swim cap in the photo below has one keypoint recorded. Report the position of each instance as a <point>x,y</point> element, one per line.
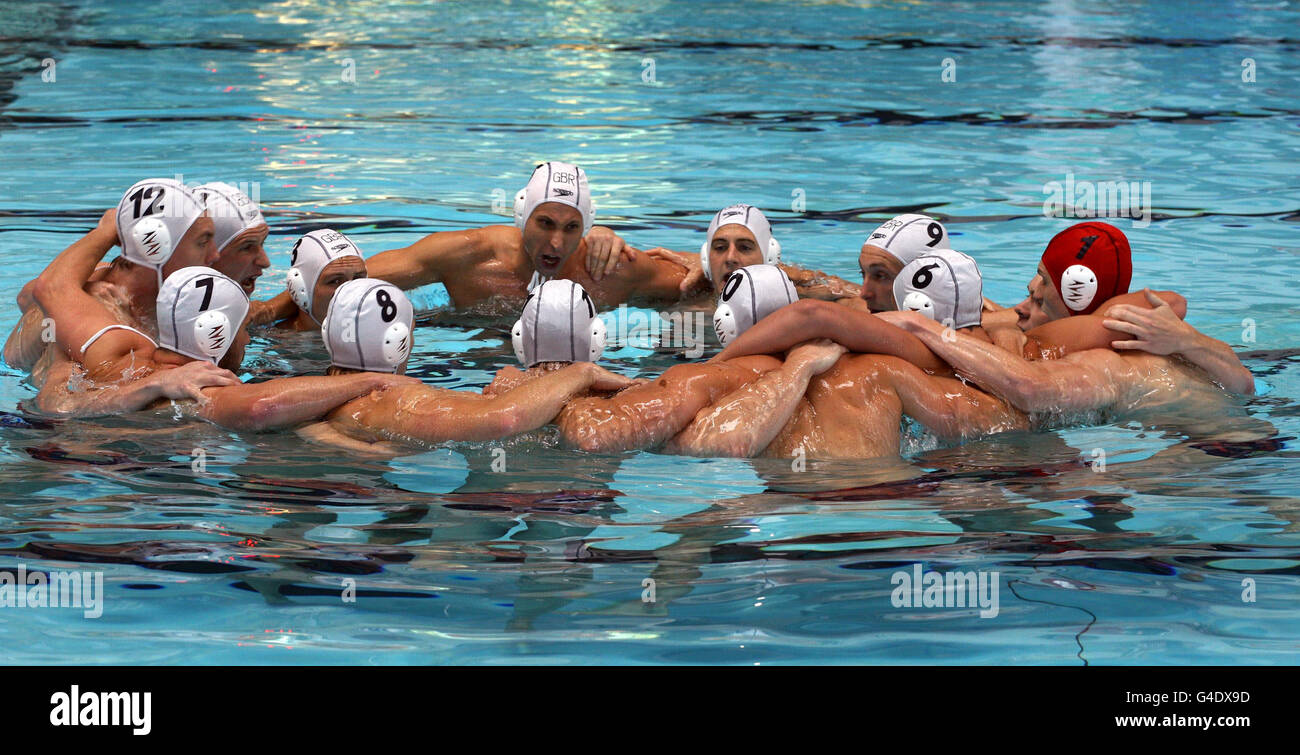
<point>752,218</point>
<point>311,254</point>
<point>555,182</point>
<point>909,236</point>
<point>944,285</point>
<point>368,326</point>
<point>152,217</point>
<point>750,294</point>
<point>199,312</point>
<point>231,210</point>
<point>558,324</point>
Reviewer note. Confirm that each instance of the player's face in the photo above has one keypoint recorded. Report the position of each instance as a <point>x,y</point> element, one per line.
<point>196,247</point>
<point>235,354</point>
<point>879,268</point>
<point>244,258</point>
<point>551,234</point>
<point>335,274</point>
<point>1044,303</point>
<point>732,248</point>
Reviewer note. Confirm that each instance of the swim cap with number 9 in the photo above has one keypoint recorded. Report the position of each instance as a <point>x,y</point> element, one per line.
<point>907,237</point>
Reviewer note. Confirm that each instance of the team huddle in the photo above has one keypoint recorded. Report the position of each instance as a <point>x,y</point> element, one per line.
<point>811,363</point>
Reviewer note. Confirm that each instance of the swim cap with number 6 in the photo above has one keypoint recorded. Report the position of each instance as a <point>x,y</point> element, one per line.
<point>944,285</point>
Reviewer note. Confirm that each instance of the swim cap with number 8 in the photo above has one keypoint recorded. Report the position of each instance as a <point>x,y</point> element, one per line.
<point>368,326</point>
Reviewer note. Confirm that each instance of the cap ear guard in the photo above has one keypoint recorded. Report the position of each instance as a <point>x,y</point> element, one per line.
<point>397,344</point>
<point>919,302</point>
<point>152,240</point>
<point>1078,287</point>
<point>212,334</point>
<point>298,289</point>
<point>521,199</point>
<point>724,324</point>
<point>704,261</point>
<point>598,333</point>
<point>517,340</point>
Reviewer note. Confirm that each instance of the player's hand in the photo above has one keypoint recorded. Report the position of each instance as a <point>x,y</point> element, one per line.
<point>1157,330</point>
<point>906,319</point>
<point>260,313</point>
<point>189,380</point>
<point>506,378</point>
<point>605,252</point>
<point>383,380</point>
<point>108,225</point>
<point>604,380</point>
<point>694,283</point>
<point>819,355</point>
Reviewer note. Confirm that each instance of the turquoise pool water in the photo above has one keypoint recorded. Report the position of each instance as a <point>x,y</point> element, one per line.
<point>830,116</point>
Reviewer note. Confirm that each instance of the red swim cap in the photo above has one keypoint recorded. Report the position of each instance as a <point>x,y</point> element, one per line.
<point>1089,263</point>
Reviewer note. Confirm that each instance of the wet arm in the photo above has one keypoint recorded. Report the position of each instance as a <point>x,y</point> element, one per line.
<point>277,308</point>
<point>326,433</point>
<point>1175,301</point>
<point>647,415</point>
<point>55,398</point>
<point>744,422</point>
<point>814,284</point>
<point>183,382</point>
<point>1155,328</point>
<point>857,331</point>
<point>435,257</point>
<point>947,407</point>
<point>444,415</point>
<point>1084,332</point>
<point>284,402</point>
<point>648,279</point>
<point>60,289</point>
<point>1218,360</point>
<point>1056,385</point>
<point>25,343</point>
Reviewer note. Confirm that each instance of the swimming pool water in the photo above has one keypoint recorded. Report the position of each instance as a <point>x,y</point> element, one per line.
<point>831,116</point>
